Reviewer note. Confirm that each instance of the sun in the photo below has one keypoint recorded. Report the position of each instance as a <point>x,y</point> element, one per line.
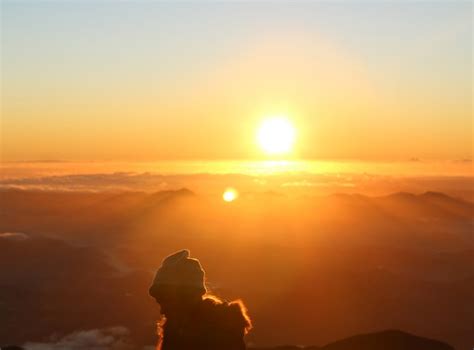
<point>230,194</point>
<point>276,135</point>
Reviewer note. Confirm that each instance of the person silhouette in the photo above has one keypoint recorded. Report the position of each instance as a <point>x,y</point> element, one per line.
<point>193,318</point>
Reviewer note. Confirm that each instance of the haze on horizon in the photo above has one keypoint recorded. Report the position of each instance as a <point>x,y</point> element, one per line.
<point>163,80</point>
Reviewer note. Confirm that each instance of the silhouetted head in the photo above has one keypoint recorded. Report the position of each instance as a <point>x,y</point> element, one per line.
<point>178,283</point>
<point>195,319</point>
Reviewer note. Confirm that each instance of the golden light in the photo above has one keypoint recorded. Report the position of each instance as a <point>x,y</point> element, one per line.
<point>276,135</point>
<point>230,194</point>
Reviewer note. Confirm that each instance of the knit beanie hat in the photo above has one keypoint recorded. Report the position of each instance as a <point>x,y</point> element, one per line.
<point>179,270</point>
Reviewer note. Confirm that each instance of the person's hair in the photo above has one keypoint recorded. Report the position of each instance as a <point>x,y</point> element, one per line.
<point>237,304</point>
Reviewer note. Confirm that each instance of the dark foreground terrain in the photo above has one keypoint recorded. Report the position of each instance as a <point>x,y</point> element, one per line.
<point>387,340</point>
<point>311,270</point>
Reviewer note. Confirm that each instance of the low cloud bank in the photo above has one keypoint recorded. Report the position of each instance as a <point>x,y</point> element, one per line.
<point>112,338</point>
<point>17,236</point>
<point>213,184</point>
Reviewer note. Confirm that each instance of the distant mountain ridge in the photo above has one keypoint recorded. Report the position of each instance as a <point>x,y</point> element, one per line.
<point>385,340</point>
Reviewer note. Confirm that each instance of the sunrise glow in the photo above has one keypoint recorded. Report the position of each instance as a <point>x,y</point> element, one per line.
<point>311,162</point>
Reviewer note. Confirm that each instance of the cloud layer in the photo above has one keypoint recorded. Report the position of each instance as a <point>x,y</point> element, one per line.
<point>113,338</point>
<point>214,184</point>
<point>14,236</point>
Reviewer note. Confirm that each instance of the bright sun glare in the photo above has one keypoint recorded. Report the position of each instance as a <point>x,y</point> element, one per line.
<point>230,194</point>
<point>276,135</point>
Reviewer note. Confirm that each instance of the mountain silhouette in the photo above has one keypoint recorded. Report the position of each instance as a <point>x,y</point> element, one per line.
<point>385,340</point>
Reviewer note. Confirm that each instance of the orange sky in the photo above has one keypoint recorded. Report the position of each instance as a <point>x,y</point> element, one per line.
<point>194,81</point>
